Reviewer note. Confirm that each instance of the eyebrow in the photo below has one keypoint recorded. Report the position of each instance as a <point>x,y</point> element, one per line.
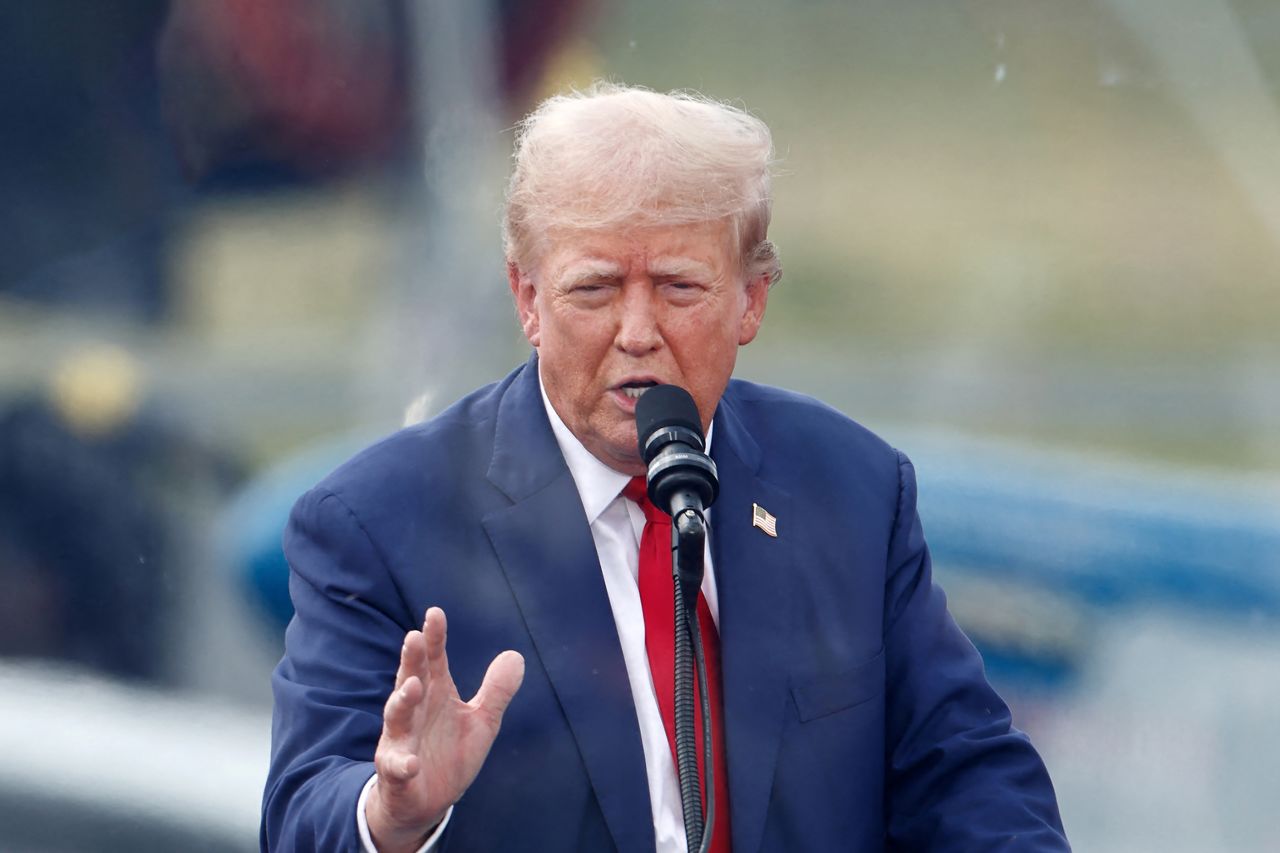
<point>669,267</point>
<point>587,271</point>
<point>678,267</point>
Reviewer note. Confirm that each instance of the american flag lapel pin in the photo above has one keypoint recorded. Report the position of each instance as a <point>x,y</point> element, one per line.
<point>762,518</point>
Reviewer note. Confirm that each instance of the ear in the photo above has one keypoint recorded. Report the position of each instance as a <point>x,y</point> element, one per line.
<point>525,295</point>
<point>755,300</point>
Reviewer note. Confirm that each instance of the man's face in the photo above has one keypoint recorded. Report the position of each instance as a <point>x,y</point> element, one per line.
<point>614,312</point>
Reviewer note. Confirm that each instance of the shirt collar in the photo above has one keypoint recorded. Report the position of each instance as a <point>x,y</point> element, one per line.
<point>598,484</point>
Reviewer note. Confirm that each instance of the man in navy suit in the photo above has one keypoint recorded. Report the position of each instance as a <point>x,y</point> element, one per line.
<point>856,714</point>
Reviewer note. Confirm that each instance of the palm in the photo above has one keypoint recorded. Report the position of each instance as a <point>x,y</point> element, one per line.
<point>433,743</point>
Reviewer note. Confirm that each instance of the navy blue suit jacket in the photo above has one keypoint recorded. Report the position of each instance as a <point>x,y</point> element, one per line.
<point>857,716</point>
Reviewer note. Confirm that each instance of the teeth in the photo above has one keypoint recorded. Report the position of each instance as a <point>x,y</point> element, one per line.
<point>634,393</point>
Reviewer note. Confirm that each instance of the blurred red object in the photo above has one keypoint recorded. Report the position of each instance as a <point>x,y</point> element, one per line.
<point>315,86</point>
<point>299,82</point>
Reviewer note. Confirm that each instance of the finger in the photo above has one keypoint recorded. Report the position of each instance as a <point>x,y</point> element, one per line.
<point>397,714</point>
<point>412,656</point>
<point>501,681</point>
<point>435,629</point>
<point>396,766</point>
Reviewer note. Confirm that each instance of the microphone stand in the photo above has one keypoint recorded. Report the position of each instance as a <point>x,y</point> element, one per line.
<point>682,477</point>
<point>688,542</point>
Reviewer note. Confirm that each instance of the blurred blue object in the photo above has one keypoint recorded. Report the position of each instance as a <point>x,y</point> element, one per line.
<point>1109,531</point>
<point>1036,547</point>
<point>253,522</point>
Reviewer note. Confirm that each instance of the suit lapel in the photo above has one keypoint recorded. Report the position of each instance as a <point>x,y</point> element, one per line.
<point>545,547</point>
<point>752,581</point>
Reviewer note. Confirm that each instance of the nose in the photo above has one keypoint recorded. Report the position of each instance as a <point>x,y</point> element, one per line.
<point>638,331</point>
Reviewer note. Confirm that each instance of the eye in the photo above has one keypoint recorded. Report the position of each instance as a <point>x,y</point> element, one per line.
<point>590,293</point>
<point>682,291</point>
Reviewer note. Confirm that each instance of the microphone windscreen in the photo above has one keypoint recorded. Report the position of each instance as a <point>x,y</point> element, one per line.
<point>665,406</point>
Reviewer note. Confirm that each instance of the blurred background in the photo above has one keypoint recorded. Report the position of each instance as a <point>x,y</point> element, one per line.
<point>1036,245</point>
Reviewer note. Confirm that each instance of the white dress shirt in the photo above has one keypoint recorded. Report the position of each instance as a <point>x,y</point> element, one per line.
<point>616,526</point>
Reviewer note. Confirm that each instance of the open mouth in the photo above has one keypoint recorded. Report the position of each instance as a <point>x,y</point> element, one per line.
<point>635,389</point>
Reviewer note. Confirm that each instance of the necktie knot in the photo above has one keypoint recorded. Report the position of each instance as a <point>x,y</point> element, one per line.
<point>637,490</point>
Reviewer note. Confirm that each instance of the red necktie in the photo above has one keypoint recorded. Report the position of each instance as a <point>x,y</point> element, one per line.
<point>657,597</point>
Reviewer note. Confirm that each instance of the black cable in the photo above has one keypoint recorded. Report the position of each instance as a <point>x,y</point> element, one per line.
<point>708,748</point>
<point>689,659</point>
<point>686,733</point>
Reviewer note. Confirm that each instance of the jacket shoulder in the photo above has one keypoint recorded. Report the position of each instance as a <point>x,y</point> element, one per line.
<point>796,430</point>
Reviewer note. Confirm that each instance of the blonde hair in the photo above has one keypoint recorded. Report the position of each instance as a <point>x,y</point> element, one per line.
<point>623,156</point>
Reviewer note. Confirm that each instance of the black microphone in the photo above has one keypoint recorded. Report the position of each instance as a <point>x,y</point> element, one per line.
<point>681,476</point>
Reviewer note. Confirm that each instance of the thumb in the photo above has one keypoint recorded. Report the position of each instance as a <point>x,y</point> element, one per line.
<point>501,681</point>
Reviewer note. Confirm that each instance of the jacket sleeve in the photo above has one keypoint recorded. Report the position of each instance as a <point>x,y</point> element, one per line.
<point>341,652</point>
<point>960,777</point>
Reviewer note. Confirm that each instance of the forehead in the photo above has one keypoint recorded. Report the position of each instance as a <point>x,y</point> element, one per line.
<point>701,248</point>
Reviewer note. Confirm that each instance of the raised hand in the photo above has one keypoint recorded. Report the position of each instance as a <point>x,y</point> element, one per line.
<point>432,743</point>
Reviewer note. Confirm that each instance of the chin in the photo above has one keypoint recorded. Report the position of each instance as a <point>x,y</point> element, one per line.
<point>623,457</point>
<point>628,456</point>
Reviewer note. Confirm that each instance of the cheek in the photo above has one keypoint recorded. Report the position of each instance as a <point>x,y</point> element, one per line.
<point>719,335</point>
<point>705,351</point>
<point>577,349</point>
